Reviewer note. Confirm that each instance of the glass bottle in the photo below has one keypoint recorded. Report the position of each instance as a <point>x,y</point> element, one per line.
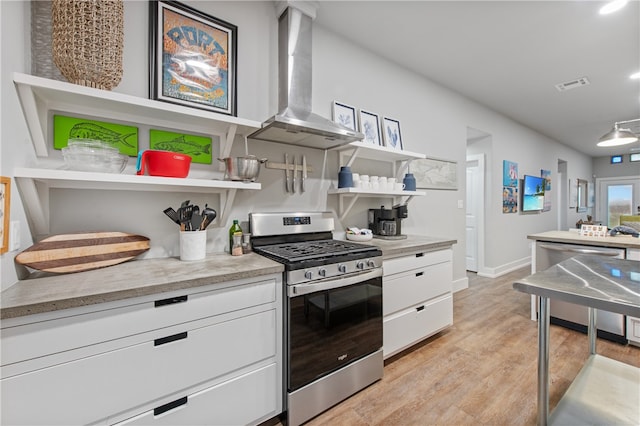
<point>236,249</point>
<point>235,228</point>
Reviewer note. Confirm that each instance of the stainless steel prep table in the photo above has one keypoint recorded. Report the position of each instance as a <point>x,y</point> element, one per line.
<point>605,391</point>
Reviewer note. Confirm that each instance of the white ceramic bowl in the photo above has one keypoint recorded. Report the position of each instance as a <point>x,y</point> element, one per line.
<point>359,237</point>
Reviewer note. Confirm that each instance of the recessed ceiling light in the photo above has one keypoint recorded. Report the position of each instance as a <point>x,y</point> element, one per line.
<point>635,76</point>
<point>612,6</point>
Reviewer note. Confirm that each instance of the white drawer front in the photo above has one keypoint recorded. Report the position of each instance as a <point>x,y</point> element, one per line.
<point>43,338</point>
<point>419,260</point>
<point>247,399</point>
<point>409,327</point>
<point>633,330</point>
<point>92,388</point>
<point>409,288</point>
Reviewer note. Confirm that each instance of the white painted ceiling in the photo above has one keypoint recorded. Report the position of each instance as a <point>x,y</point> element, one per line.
<point>509,55</point>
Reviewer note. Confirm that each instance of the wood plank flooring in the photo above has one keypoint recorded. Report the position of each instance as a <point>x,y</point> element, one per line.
<point>480,371</point>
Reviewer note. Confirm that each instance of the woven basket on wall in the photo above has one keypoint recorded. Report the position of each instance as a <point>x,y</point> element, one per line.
<point>87,41</point>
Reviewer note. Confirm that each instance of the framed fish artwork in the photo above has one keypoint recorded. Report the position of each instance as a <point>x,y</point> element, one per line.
<point>193,57</point>
<point>125,138</point>
<point>197,147</point>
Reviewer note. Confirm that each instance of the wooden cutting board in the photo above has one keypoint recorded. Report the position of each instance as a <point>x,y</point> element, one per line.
<point>83,251</point>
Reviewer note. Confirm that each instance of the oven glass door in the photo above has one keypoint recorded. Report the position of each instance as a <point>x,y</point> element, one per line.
<point>331,328</point>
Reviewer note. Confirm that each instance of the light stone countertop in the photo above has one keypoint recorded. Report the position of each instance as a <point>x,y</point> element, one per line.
<point>609,284</point>
<point>127,280</point>
<point>412,244</point>
<point>568,237</point>
<point>152,276</point>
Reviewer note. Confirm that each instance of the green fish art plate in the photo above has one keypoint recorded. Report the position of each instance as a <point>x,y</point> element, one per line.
<point>197,147</point>
<point>125,138</point>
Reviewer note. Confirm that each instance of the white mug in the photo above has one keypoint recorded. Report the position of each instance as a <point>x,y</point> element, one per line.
<point>391,182</point>
<point>364,178</point>
<point>383,183</point>
<point>374,179</point>
<point>357,183</point>
<point>355,176</point>
<point>399,186</point>
<point>365,184</point>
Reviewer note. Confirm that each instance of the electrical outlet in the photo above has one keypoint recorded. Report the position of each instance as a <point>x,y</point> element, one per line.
<point>14,235</point>
<point>461,204</point>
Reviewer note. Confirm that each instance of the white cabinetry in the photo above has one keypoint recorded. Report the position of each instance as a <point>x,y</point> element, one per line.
<point>209,355</point>
<point>40,97</point>
<point>400,161</point>
<point>418,300</point>
<point>633,324</point>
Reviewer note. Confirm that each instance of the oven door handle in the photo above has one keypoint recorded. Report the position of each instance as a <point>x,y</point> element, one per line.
<point>313,287</point>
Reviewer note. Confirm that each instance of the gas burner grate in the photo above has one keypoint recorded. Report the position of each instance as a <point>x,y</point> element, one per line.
<point>313,249</point>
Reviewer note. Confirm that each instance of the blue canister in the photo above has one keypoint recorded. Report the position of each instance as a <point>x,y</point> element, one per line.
<point>409,182</point>
<point>345,178</point>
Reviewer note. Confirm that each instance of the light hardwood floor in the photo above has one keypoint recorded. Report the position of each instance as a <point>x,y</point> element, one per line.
<point>480,371</point>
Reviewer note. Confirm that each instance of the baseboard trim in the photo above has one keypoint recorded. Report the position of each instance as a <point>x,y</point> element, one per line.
<point>460,284</point>
<point>504,269</point>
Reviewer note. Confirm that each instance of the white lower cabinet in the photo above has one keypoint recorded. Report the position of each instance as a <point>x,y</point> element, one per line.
<point>224,361</point>
<point>633,324</point>
<point>218,405</point>
<point>417,300</point>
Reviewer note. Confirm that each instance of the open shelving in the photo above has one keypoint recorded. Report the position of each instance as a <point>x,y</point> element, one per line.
<point>400,160</point>
<point>40,96</point>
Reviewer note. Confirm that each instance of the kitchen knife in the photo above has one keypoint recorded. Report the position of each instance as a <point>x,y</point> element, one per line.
<point>304,171</point>
<point>295,172</point>
<point>286,172</point>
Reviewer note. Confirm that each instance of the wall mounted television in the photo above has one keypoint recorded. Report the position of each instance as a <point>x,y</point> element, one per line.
<point>532,193</point>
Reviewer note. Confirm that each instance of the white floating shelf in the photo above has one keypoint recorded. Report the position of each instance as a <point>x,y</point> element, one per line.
<point>374,192</point>
<point>39,95</point>
<point>34,185</point>
<point>357,193</point>
<point>375,152</point>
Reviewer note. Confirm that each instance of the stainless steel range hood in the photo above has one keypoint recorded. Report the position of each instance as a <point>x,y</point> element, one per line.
<point>295,124</point>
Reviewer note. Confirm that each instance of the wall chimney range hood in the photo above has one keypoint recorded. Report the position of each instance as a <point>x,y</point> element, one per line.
<point>295,123</point>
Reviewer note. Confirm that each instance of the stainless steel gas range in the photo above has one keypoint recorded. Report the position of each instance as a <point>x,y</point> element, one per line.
<point>333,312</point>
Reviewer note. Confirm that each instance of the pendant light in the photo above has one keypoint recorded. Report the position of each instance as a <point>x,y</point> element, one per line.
<point>618,136</point>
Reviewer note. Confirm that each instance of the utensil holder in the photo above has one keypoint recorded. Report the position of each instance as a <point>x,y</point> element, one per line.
<point>193,245</point>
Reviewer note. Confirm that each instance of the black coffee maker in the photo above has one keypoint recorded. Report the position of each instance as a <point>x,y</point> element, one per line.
<point>386,223</point>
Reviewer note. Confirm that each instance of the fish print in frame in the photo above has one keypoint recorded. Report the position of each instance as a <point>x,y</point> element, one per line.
<point>197,147</point>
<point>120,136</point>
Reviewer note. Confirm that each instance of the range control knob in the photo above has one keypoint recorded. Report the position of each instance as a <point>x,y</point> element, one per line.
<point>360,264</point>
<point>371,263</point>
<point>322,272</point>
<point>308,275</point>
<point>342,268</point>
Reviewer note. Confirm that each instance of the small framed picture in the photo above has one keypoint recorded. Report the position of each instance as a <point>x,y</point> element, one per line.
<point>370,126</point>
<point>391,133</point>
<point>345,115</point>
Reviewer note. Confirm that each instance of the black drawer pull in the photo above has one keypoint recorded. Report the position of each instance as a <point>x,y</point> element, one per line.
<point>419,274</point>
<point>168,339</point>
<point>420,308</point>
<point>171,301</point>
<point>169,406</point>
<point>419,254</point>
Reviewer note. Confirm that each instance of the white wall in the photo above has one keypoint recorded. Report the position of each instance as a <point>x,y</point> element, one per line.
<point>434,120</point>
<point>602,167</point>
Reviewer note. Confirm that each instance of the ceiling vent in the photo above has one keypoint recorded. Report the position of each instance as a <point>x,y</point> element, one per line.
<point>567,85</point>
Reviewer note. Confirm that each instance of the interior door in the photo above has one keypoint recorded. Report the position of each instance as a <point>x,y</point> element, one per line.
<point>473,192</point>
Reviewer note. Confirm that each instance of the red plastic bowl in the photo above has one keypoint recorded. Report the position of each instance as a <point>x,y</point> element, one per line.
<point>163,163</point>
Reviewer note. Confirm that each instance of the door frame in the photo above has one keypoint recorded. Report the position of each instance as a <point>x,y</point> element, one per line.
<point>601,196</point>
